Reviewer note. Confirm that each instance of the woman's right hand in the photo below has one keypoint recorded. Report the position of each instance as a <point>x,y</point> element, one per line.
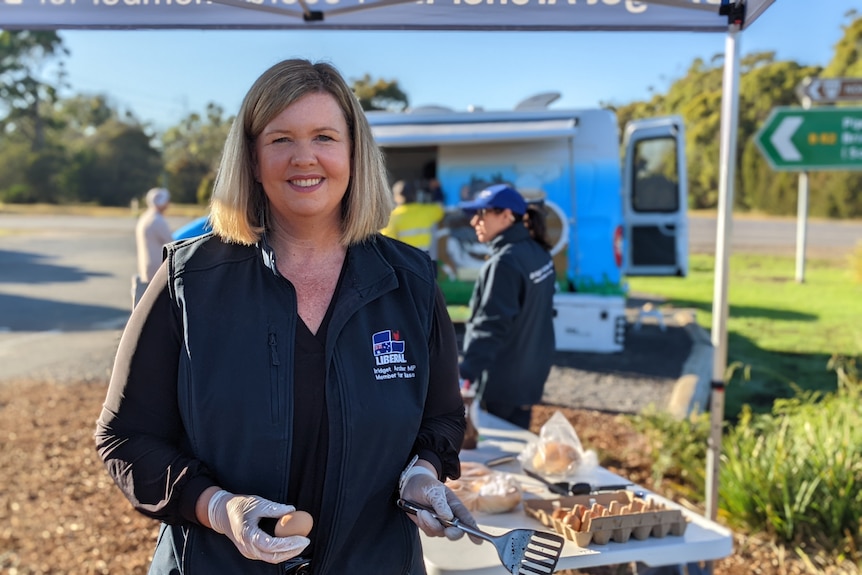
<point>420,485</point>
<point>237,517</point>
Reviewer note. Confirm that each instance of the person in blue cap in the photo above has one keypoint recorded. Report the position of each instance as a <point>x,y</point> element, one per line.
<point>509,340</point>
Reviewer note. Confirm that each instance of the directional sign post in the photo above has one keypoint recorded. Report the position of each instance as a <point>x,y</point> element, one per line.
<point>798,139</point>
<point>830,90</point>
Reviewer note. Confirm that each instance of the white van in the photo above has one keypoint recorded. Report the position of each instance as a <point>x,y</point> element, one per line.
<point>607,219</point>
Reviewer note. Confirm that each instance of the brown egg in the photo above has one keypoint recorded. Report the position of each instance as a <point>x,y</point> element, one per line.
<point>296,523</point>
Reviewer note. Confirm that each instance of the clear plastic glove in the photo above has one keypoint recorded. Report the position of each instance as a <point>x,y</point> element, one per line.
<point>421,486</point>
<point>237,517</point>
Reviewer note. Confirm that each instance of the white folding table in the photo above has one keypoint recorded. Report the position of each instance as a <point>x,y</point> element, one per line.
<point>703,540</point>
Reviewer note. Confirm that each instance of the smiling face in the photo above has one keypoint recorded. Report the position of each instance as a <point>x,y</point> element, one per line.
<point>303,161</point>
<point>489,222</point>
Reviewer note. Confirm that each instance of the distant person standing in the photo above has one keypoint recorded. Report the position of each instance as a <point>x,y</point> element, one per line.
<point>151,234</point>
<point>411,221</point>
<point>509,341</point>
<point>431,185</point>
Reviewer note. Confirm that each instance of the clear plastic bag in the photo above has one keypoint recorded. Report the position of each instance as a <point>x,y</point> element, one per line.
<point>558,452</point>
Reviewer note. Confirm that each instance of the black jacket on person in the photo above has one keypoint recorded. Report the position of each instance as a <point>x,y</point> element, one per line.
<point>219,410</point>
<point>509,341</point>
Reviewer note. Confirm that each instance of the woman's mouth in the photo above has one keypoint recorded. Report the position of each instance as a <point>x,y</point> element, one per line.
<point>306,182</point>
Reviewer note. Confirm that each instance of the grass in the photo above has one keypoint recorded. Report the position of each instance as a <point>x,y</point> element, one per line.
<point>856,262</point>
<point>781,334</point>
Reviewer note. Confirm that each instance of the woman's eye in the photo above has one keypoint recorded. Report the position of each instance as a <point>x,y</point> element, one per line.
<point>324,138</point>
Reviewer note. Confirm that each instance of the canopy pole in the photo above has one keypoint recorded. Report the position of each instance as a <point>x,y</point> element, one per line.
<point>727,175</point>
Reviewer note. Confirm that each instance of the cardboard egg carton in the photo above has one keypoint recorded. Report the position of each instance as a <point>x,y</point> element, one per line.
<point>603,517</point>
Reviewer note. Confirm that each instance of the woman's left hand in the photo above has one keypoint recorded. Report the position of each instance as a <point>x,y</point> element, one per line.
<point>420,485</point>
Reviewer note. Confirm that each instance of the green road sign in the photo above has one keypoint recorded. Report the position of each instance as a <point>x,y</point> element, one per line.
<point>816,139</point>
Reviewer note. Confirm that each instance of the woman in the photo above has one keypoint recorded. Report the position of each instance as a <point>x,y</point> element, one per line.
<point>292,359</point>
<point>509,341</point>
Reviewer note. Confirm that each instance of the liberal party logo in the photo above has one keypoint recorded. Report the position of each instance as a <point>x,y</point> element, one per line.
<point>386,343</point>
<point>388,349</point>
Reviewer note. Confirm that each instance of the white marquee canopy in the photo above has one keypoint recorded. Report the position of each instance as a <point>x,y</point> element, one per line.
<point>551,15</point>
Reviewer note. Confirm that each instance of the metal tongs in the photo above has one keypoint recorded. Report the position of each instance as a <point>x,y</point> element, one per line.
<point>580,488</point>
<point>559,487</point>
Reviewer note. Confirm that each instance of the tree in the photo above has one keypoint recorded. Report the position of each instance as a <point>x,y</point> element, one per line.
<point>37,150</point>
<point>115,164</point>
<point>192,150</point>
<point>380,94</point>
<point>847,60</point>
<point>767,83</point>
<point>696,97</point>
<point>23,95</point>
<point>82,114</point>
<point>839,194</point>
<point>13,181</point>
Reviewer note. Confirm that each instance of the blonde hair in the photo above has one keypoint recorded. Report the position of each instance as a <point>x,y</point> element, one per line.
<point>239,208</point>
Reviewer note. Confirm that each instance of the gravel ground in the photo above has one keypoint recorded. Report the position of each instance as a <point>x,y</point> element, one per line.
<point>626,382</point>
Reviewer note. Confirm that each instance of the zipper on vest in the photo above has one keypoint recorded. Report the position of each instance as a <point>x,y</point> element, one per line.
<point>274,369</point>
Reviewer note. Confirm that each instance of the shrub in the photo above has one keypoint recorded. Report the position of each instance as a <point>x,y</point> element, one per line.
<point>797,473</point>
<point>17,194</point>
<point>794,473</point>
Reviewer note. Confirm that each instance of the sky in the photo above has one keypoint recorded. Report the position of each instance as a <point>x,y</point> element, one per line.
<point>162,76</point>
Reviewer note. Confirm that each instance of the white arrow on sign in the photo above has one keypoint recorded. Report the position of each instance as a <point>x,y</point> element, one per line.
<point>826,90</point>
<point>812,90</point>
<point>781,138</point>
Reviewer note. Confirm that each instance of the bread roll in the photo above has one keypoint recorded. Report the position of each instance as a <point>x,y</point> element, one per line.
<point>481,489</point>
<point>499,495</point>
<point>555,458</point>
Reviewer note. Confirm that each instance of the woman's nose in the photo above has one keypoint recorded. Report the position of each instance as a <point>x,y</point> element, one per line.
<point>303,154</point>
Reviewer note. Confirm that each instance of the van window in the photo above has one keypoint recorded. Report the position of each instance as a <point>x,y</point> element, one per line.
<point>656,176</point>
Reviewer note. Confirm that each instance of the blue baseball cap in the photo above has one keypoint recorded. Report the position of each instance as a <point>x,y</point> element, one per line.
<point>501,196</point>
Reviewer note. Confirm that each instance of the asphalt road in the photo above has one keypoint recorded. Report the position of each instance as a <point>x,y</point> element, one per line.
<point>64,294</point>
<point>824,238</point>
<point>65,280</point>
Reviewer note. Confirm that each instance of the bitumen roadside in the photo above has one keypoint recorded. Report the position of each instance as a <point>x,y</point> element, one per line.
<point>60,357</point>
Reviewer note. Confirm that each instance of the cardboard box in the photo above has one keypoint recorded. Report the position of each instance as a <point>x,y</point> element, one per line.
<point>592,323</point>
<point>603,517</point>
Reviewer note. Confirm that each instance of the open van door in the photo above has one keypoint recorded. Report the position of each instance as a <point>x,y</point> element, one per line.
<point>655,198</point>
